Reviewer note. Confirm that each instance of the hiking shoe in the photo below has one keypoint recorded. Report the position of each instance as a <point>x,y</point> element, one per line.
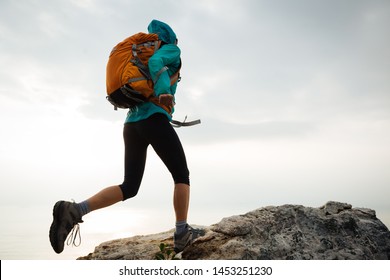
<point>66,217</point>
<point>185,238</point>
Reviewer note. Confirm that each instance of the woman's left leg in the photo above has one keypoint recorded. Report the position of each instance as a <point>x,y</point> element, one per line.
<point>164,140</point>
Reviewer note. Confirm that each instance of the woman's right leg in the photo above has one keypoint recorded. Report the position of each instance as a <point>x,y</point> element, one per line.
<point>135,158</point>
<point>105,198</point>
<point>67,215</point>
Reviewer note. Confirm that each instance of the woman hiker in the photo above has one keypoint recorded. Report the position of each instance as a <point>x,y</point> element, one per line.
<point>148,125</point>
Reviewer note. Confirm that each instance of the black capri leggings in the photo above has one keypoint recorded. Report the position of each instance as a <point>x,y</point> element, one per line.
<point>158,132</point>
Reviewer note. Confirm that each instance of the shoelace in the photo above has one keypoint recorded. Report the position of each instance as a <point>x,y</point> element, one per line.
<point>73,236</point>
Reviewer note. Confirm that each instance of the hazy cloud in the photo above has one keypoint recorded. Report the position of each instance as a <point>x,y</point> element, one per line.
<point>293,97</point>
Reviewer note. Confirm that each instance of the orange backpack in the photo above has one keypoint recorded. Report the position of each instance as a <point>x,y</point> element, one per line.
<point>127,75</point>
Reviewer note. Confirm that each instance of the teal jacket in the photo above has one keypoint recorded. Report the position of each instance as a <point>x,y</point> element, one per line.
<point>168,55</point>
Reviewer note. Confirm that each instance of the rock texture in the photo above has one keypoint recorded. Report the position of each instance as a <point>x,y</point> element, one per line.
<point>293,232</point>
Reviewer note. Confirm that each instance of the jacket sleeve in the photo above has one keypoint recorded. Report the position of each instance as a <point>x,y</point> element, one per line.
<point>167,56</point>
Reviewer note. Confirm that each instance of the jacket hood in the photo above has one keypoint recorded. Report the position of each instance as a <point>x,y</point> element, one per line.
<point>163,30</point>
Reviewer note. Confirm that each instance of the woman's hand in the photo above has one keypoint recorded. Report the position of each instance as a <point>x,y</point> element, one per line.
<point>166,100</point>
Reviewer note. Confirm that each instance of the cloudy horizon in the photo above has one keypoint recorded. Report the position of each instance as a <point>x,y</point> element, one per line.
<point>293,96</point>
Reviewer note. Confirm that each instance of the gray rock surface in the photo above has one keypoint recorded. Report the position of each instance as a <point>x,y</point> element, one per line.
<point>333,231</point>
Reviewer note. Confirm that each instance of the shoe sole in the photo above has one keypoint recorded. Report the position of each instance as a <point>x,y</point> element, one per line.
<point>54,226</point>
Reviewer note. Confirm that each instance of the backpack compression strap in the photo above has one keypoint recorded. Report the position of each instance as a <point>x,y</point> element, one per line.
<point>184,123</point>
<point>137,62</point>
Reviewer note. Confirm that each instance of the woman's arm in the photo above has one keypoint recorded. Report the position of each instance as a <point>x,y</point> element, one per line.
<point>168,55</point>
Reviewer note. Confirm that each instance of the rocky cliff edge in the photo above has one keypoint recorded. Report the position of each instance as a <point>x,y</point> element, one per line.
<point>334,231</point>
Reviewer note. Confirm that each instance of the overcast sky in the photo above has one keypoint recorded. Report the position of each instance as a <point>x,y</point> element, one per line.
<point>294,98</point>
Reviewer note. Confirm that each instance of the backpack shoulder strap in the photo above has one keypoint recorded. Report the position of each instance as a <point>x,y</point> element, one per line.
<point>174,78</point>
